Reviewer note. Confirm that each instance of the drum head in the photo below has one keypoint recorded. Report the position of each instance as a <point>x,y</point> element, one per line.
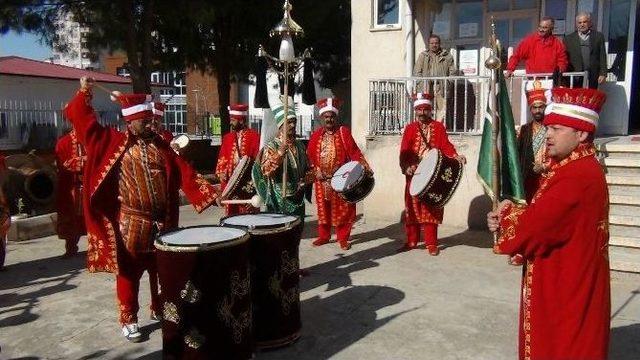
<point>181,140</point>
<point>424,172</point>
<point>260,221</point>
<point>236,176</point>
<point>346,176</point>
<point>200,236</point>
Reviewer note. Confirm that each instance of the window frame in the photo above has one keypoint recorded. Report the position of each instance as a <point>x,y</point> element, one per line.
<point>374,26</point>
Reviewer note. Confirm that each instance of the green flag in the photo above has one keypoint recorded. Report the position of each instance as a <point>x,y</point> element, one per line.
<point>511,183</point>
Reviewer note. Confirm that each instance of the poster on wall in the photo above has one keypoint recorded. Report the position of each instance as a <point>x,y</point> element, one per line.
<point>468,30</point>
<point>441,28</point>
<point>469,62</point>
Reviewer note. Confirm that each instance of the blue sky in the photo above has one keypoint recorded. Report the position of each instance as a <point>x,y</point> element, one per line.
<point>25,45</point>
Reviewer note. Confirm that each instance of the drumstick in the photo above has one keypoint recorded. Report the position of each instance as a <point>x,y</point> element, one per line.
<point>255,201</point>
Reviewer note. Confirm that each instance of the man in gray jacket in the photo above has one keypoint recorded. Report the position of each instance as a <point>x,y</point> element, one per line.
<point>586,52</point>
<point>435,61</point>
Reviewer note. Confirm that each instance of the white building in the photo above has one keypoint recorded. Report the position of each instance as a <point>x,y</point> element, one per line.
<point>76,54</point>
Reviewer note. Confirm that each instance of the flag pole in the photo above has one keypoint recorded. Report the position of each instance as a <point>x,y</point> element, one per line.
<point>494,64</point>
<point>285,128</point>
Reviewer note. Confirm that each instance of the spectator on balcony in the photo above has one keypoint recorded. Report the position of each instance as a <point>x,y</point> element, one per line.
<point>586,51</point>
<point>541,51</point>
<point>435,61</point>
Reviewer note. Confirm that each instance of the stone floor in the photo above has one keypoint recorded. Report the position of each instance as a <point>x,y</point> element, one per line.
<point>368,302</point>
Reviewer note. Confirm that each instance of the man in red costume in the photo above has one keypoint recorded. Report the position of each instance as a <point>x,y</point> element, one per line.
<point>329,148</point>
<point>131,193</point>
<point>420,136</point>
<point>240,141</point>
<point>531,141</point>
<point>70,160</point>
<point>5,216</point>
<point>563,235</point>
<point>541,51</point>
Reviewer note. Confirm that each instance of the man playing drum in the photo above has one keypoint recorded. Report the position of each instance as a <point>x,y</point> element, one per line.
<point>240,141</point>
<point>563,236</point>
<point>420,136</point>
<point>531,141</point>
<point>131,188</point>
<point>70,159</point>
<point>329,148</point>
<point>267,170</point>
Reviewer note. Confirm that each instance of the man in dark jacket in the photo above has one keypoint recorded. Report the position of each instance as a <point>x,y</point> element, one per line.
<point>585,48</point>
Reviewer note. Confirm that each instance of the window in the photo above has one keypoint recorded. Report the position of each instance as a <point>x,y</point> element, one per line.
<point>386,14</point>
<point>175,118</point>
<point>618,36</point>
<point>442,21</point>
<point>470,18</point>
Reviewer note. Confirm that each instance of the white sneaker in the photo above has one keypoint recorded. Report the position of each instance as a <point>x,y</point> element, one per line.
<point>131,332</point>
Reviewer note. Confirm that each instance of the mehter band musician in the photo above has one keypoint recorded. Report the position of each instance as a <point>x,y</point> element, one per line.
<point>240,141</point>
<point>268,168</point>
<point>419,136</point>
<point>563,236</point>
<point>329,148</point>
<point>70,160</point>
<point>131,188</point>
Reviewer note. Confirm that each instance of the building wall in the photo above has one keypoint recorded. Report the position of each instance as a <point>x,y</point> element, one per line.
<point>205,96</point>
<point>111,62</point>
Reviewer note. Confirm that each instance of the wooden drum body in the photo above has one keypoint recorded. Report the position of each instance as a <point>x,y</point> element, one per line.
<point>206,293</point>
<point>352,182</point>
<point>436,178</point>
<point>274,243</point>
<point>240,185</point>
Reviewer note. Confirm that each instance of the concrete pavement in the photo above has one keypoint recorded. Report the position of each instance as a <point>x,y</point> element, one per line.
<point>368,302</point>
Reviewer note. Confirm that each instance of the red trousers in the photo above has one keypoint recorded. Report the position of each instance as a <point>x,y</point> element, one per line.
<point>342,232</point>
<point>128,284</point>
<point>430,234</point>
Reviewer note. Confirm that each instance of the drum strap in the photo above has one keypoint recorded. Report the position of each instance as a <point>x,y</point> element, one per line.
<point>344,146</point>
<point>424,137</point>
<point>237,143</point>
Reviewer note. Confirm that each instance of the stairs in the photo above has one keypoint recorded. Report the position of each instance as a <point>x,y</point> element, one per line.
<point>621,160</point>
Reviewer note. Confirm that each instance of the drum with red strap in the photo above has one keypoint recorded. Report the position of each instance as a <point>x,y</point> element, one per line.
<point>240,185</point>
<point>436,178</point>
<point>352,182</point>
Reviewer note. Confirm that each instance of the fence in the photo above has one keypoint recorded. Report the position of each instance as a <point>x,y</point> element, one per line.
<point>38,124</point>
<point>459,101</point>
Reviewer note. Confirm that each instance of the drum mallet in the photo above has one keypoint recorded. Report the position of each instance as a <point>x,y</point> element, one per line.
<point>255,201</point>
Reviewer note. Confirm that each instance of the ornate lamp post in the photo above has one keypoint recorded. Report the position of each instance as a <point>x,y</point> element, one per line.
<point>286,65</point>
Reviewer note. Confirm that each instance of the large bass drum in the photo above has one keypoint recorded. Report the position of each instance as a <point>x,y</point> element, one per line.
<point>206,293</point>
<point>352,182</point>
<point>436,178</point>
<point>275,239</point>
<point>240,185</point>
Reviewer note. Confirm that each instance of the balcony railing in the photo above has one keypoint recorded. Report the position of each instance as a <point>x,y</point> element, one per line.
<point>459,101</point>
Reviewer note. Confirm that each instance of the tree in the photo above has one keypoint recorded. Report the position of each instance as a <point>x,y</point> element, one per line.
<point>219,37</point>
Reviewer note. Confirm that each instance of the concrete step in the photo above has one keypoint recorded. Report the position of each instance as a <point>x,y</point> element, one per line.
<point>616,147</point>
<point>623,180</point>
<point>624,259</point>
<point>624,241</point>
<point>622,170</point>
<point>624,210</point>
<point>32,227</point>
<point>621,162</point>
<point>628,199</point>
<point>625,220</point>
<point>624,190</point>
<point>623,231</point>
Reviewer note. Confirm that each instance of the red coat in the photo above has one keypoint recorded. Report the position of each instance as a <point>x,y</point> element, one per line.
<point>564,236</point>
<point>105,147</point>
<point>332,209</point>
<point>70,159</point>
<point>412,149</point>
<point>541,55</point>
<point>228,157</point>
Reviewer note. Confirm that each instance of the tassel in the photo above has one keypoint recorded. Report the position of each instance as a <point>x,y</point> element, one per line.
<point>261,100</point>
<point>308,83</point>
<point>292,85</point>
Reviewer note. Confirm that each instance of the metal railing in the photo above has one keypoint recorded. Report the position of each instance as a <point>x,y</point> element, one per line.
<point>459,101</point>
<point>38,124</point>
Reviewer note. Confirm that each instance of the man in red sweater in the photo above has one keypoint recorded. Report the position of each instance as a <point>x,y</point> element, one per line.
<point>542,52</point>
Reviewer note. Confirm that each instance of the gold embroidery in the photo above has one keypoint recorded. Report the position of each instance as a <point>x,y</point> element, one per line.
<point>190,293</point>
<point>240,324</point>
<point>448,175</point>
<point>194,339</point>
<point>435,197</point>
<point>170,312</point>
<point>287,297</point>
